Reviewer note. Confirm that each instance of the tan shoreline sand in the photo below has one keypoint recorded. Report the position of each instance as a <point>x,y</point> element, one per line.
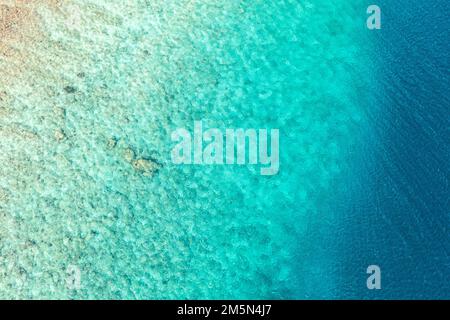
<point>19,28</point>
<point>18,19</point>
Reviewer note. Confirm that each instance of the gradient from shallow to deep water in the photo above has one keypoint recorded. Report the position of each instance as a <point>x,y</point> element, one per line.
<point>398,216</point>
<point>107,84</point>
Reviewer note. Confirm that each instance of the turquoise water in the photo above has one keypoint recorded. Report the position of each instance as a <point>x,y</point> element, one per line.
<point>107,87</point>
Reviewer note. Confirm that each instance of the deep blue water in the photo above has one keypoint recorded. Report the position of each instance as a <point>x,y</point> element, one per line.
<point>400,218</point>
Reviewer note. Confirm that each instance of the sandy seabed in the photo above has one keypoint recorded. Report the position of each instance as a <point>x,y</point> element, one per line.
<point>89,94</point>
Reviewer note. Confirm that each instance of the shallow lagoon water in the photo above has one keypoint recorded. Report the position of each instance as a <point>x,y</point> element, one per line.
<point>108,82</point>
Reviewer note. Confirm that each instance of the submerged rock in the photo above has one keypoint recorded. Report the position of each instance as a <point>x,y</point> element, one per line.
<point>59,135</point>
<point>147,167</point>
<point>3,95</point>
<point>112,142</point>
<point>70,89</point>
<point>129,155</point>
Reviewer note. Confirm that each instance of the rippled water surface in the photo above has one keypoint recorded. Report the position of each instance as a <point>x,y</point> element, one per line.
<point>89,96</point>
